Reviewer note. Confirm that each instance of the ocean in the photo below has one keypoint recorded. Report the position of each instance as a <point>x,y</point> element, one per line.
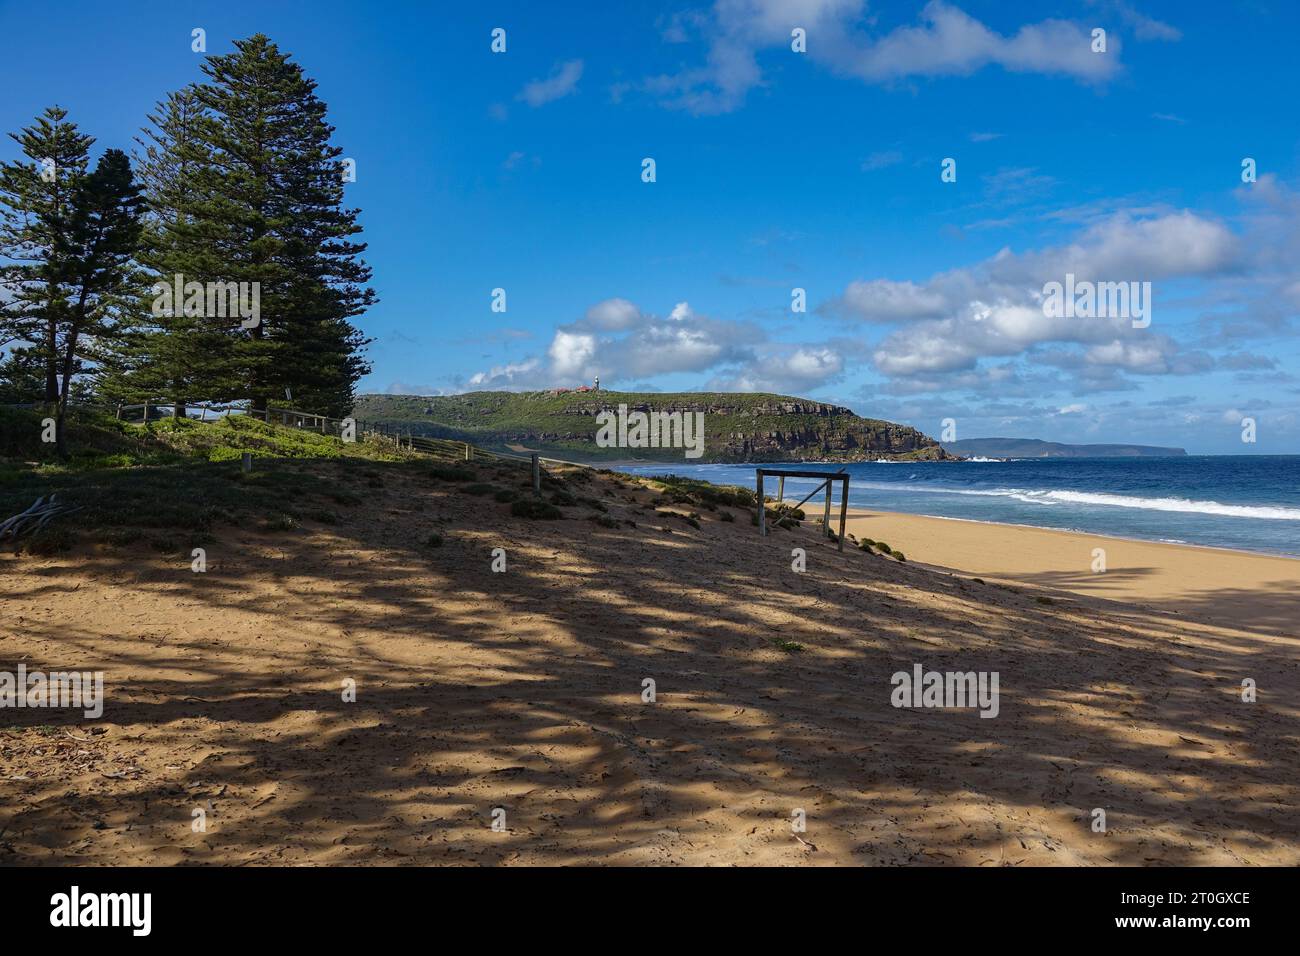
<point>1245,502</point>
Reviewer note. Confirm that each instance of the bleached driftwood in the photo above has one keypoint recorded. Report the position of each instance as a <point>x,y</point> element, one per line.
<point>35,517</point>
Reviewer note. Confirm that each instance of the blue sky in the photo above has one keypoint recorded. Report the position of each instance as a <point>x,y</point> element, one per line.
<point>778,170</point>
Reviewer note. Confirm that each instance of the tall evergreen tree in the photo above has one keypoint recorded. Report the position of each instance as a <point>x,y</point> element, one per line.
<point>36,212</point>
<point>270,210</point>
<point>167,353</point>
<point>98,251</point>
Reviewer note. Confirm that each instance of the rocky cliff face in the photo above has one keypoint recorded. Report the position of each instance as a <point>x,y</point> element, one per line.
<point>815,430</point>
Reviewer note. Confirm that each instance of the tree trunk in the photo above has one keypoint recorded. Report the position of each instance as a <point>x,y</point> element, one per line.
<point>51,364</point>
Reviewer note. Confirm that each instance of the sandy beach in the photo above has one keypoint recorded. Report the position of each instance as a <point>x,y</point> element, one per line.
<point>523,692</point>
<point>1236,588</point>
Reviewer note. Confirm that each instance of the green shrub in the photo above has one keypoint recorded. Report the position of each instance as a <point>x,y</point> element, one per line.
<point>506,494</point>
<point>451,473</point>
<point>479,489</point>
<point>535,510</point>
<point>726,516</point>
<point>280,522</point>
<point>50,541</point>
<point>884,548</point>
<point>900,556</point>
<point>433,541</point>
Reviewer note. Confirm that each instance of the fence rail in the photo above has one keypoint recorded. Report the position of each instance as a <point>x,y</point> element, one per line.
<point>827,478</point>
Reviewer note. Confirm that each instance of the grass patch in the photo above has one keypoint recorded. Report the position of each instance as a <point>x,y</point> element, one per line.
<point>535,510</point>
<point>281,522</point>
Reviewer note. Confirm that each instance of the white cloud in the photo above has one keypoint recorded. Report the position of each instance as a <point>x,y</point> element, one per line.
<point>498,376</point>
<point>619,341</point>
<point>959,317</point>
<point>570,352</point>
<point>952,43</point>
<point>883,300</point>
<point>613,314</point>
<point>794,372</point>
<point>562,81</point>
<point>946,41</point>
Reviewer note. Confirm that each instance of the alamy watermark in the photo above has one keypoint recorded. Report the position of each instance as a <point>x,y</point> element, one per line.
<point>210,300</point>
<point>133,911</point>
<point>81,690</point>
<point>1098,300</point>
<point>946,689</point>
<point>622,429</point>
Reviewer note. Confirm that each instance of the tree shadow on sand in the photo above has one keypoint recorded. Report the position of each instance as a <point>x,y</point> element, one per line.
<point>523,690</point>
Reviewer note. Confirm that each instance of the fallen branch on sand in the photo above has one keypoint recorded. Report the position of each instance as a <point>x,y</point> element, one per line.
<point>35,517</point>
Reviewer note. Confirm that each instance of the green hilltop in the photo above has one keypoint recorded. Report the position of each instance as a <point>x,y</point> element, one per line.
<point>760,427</point>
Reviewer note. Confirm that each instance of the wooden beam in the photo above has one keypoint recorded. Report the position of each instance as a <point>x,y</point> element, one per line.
<point>844,507</point>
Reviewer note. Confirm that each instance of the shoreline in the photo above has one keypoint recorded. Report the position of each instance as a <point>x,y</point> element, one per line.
<point>1077,531</point>
<point>791,498</point>
<point>1243,589</point>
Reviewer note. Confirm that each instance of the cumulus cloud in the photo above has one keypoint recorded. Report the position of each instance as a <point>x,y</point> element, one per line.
<point>502,376</point>
<point>613,314</point>
<point>562,81</point>
<point>619,341</point>
<point>952,321</point>
<point>796,370</point>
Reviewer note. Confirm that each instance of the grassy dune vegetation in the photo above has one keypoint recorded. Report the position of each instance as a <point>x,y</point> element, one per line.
<point>170,482</point>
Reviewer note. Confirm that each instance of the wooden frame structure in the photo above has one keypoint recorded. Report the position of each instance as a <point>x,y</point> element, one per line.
<point>827,477</point>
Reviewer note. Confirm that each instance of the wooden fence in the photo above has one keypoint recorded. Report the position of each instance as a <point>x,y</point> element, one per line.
<point>826,477</point>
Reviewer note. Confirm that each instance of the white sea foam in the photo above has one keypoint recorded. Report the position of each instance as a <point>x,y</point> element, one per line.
<point>1056,498</point>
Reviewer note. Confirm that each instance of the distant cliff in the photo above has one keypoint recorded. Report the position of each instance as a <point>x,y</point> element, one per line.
<point>737,427</point>
<point>1034,448</point>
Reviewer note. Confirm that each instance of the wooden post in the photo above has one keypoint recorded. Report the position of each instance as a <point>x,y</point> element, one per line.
<point>467,454</point>
<point>119,411</point>
<point>247,461</point>
<point>826,515</point>
<point>780,489</point>
<point>844,507</point>
<point>537,474</point>
<point>762,507</point>
<point>146,411</point>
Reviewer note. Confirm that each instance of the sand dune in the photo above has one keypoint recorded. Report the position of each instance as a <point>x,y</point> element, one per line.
<point>523,690</point>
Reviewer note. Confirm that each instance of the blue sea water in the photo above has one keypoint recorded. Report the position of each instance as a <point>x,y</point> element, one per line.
<point>1246,502</point>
